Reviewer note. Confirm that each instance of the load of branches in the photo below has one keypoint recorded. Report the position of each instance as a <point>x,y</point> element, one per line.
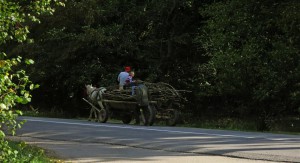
<point>122,95</point>
<point>161,92</point>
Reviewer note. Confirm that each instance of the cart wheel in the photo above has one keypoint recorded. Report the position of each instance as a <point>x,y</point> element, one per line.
<point>173,117</point>
<point>103,115</point>
<point>147,115</point>
<point>126,119</point>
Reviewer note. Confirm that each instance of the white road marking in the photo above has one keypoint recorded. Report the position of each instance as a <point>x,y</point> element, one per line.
<point>160,130</point>
<point>139,128</point>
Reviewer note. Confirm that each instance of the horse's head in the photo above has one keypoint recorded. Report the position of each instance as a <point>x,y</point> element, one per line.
<point>89,88</point>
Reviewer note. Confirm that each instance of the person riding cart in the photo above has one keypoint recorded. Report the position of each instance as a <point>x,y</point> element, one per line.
<point>123,77</point>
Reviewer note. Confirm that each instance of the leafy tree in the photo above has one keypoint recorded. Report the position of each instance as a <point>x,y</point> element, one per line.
<point>254,50</point>
<point>232,54</point>
<point>15,85</point>
<point>72,49</point>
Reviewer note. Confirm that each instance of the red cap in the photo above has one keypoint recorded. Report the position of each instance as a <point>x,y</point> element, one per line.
<point>127,69</point>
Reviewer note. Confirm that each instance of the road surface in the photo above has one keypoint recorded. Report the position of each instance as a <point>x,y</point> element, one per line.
<point>83,141</point>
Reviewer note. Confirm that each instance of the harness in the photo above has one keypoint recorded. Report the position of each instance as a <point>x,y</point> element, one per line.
<point>98,96</point>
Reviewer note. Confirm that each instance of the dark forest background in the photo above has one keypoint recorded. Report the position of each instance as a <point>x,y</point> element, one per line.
<point>240,58</point>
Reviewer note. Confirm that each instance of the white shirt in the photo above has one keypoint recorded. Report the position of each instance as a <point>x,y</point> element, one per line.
<point>122,78</point>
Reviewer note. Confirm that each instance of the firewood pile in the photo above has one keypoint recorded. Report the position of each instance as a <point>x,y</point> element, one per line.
<point>124,95</point>
<point>162,92</point>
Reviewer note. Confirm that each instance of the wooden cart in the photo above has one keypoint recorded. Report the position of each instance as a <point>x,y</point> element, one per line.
<point>149,102</point>
<point>123,105</point>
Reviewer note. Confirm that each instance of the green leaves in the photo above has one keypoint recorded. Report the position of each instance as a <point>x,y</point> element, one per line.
<point>2,106</point>
<point>14,83</point>
<point>14,15</point>
<point>29,61</point>
<point>254,53</point>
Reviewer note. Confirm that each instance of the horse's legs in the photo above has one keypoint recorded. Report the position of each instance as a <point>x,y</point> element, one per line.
<point>100,104</point>
<point>91,113</point>
<point>95,114</point>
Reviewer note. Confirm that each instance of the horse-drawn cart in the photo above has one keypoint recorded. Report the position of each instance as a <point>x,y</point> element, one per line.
<point>145,102</point>
<point>110,102</point>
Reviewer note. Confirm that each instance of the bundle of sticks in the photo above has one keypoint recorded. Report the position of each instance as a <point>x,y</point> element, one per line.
<point>124,95</point>
<point>162,92</point>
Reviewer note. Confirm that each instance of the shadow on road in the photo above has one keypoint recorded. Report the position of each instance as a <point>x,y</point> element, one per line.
<point>80,140</point>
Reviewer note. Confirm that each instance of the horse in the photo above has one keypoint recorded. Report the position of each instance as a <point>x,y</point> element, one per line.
<point>94,98</point>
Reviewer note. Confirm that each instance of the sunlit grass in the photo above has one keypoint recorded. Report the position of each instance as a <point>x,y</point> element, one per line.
<point>32,154</point>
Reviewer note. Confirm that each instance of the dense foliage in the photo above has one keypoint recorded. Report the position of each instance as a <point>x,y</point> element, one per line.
<point>15,85</point>
<point>240,58</point>
<point>254,49</point>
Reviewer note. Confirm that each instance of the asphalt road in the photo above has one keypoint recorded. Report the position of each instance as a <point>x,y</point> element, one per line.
<point>83,141</point>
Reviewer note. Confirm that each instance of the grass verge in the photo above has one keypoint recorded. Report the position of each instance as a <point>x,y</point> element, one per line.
<point>32,154</point>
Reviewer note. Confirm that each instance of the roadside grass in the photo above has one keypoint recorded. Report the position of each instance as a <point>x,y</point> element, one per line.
<point>50,114</point>
<point>222,123</point>
<point>32,154</point>
<point>286,126</point>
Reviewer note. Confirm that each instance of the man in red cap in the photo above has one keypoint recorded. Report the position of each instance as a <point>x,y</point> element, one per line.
<point>122,77</point>
<point>127,69</point>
